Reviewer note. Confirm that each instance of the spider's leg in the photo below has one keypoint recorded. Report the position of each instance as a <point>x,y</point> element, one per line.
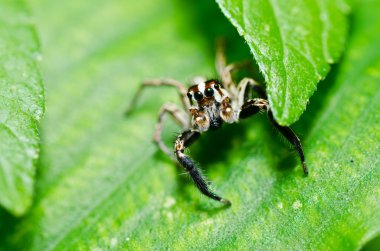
<point>245,88</point>
<point>220,57</point>
<point>290,135</point>
<point>183,141</point>
<point>224,72</point>
<point>178,115</point>
<point>158,82</point>
<point>253,106</point>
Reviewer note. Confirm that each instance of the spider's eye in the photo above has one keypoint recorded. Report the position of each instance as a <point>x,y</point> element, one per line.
<point>209,92</point>
<point>189,95</point>
<point>198,95</point>
<point>216,86</point>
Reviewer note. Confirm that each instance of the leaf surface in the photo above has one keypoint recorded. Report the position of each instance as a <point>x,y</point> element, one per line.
<point>103,185</point>
<point>21,106</point>
<point>293,43</point>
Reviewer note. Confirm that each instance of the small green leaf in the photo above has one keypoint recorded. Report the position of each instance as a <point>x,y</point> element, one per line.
<point>293,43</point>
<point>21,106</point>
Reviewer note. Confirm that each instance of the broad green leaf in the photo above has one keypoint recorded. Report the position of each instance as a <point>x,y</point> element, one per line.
<point>293,43</point>
<point>373,245</point>
<point>21,106</point>
<point>103,185</point>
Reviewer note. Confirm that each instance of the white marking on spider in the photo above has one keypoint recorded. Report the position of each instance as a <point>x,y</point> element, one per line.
<point>202,87</point>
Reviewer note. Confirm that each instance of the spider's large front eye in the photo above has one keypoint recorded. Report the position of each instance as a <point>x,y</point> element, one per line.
<point>209,92</point>
<point>198,95</point>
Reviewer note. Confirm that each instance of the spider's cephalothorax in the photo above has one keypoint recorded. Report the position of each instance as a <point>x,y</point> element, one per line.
<point>210,103</point>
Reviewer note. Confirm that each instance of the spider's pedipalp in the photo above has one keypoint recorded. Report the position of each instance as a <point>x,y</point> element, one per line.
<point>183,141</point>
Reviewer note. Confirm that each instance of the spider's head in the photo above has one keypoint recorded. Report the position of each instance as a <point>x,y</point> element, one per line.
<point>210,104</point>
<point>206,93</point>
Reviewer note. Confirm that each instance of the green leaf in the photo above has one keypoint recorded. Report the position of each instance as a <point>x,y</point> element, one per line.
<point>21,106</point>
<point>103,185</point>
<point>293,43</point>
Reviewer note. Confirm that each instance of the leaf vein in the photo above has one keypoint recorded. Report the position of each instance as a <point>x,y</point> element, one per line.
<point>284,52</point>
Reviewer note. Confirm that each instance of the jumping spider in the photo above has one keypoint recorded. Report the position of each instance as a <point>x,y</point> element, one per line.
<point>211,103</point>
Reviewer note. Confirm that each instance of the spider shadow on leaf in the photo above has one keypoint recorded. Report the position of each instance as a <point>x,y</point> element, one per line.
<point>214,146</point>
<point>216,150</point>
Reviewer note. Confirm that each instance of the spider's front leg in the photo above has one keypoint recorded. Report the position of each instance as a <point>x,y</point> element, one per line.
<point>178,115</point>
<point>245,88</point>
<point>253,106</point>
<point>292,137</point>
<point>183,141</point>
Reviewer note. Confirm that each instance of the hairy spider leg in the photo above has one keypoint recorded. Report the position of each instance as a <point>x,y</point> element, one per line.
<point>160,82</point>
<point>221,63</point>
<point>245,88</point>
<point>183,141</point>
<point>178,115</point>
<point>225,71</point>
<point>254,86</point>
<point>253,106</point>
<point>291,136</point>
